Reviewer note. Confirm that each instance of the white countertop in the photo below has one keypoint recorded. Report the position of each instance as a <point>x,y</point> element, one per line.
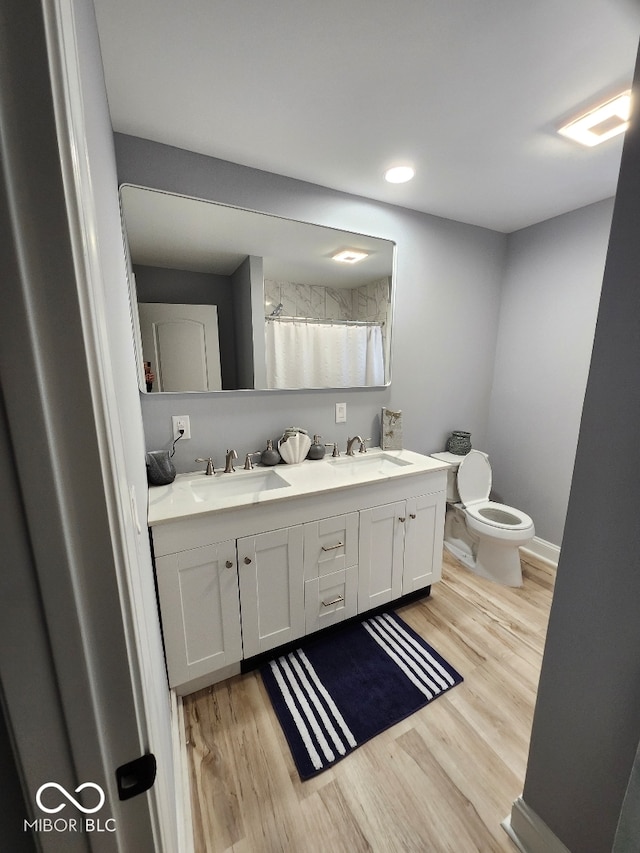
<point>197,494</point>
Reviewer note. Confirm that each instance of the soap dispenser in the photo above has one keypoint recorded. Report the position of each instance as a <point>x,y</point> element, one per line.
<point>317,449</point>
<point>269,456</point>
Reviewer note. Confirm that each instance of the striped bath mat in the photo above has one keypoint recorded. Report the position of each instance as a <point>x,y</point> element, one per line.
<point>343,688</point>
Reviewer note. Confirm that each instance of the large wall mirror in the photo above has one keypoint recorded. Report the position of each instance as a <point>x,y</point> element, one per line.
<point>230,299</point>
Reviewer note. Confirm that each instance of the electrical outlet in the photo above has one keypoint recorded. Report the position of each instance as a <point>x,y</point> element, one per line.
<point>341,413</point>
<point>181,422</point>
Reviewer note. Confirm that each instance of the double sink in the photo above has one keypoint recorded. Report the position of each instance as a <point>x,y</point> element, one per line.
<point>197,493</point>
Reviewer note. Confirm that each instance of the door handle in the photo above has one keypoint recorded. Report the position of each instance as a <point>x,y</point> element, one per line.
<point>247,560</point>
<point>412,515</point>
<point>332,547</point>
<point>333,601</point>
<point>229,564</point>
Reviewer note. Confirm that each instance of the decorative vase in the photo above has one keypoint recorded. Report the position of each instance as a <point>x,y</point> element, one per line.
<point>459,442</point>
<point>294,445</point>
<point>160,468</point>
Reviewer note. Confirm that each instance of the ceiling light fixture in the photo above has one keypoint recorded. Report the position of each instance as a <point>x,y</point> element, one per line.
<point>601,123</point>
<point>399,174</point>
<point>349,256</point>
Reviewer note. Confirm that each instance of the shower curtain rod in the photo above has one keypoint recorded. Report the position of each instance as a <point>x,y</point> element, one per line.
<point>326,320</point>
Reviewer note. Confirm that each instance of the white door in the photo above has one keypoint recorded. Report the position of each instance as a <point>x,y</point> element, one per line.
<point>181,342</point>
<point>271,589</point>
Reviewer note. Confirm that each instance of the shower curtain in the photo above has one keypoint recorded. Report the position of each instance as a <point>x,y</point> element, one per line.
<point>322,355</point>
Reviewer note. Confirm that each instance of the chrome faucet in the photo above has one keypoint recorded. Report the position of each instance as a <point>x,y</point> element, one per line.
<point>209,461</point>
<point>351,442</point>
<point>231,455</point>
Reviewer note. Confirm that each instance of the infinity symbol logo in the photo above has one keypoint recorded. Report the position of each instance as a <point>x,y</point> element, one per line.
<point>69,797</point>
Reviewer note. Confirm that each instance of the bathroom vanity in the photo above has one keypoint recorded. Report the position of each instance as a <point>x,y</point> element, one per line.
<point>249,561</point>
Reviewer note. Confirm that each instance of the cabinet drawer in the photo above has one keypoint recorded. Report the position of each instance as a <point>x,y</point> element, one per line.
<point>330,598</point>
<point>330,545</point>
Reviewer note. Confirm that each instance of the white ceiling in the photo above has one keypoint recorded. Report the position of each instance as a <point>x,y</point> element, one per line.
<point>469,91</point>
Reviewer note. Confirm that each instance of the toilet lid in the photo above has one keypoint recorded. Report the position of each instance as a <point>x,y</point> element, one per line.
<point>474,478</point>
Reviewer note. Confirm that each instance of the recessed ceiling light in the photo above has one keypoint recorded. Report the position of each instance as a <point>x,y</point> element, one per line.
<point>399,174</point>
<point>601,123</point>
<point>349,256</point>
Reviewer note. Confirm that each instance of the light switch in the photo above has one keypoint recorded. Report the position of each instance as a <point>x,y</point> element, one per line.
<point>341,413</point>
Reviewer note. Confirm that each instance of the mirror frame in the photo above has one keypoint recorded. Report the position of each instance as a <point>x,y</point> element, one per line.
<point>135,319</point>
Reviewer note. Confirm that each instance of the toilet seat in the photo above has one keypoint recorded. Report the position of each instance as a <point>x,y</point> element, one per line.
<point>500,516</point>
<point>474,487</point>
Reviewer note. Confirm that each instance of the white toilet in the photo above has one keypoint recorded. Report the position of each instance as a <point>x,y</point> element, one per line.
<point>484,535</point>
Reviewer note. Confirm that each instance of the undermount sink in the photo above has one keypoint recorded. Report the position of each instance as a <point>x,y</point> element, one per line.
<point>371,463</point>
<point>221,486</point>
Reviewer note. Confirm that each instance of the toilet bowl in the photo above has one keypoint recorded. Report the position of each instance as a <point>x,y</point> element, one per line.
<point>484,535</point>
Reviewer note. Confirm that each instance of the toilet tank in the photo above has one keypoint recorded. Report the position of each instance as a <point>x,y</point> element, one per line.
<point>452,472</point>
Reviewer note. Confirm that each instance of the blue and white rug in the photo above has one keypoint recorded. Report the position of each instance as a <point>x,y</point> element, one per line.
<point>344,688</point>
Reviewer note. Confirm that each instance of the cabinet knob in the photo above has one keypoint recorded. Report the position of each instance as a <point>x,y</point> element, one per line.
<point>412,515</point>
<point>247,560</point>
<point>402,519</point>
<point>229,564</point>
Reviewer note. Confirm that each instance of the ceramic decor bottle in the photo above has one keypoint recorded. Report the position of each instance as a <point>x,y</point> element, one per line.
<point>317,449</point>
<point>270,456</point>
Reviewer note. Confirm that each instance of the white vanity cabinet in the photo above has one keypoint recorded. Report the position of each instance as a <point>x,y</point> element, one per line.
<point>400,549</point>
<point>243,580</point>
<point>198,592</point>
<point>271,589</point>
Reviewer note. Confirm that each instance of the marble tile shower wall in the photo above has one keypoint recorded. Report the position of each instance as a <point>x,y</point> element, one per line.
<point>369,302</point>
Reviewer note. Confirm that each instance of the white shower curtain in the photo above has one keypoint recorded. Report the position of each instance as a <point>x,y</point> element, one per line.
<point>322,355</point>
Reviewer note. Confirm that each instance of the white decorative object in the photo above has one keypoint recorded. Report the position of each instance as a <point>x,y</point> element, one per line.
<point>391,430</point>
<point>293,447</point>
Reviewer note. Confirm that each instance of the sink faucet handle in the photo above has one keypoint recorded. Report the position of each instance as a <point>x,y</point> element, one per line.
<point>363,445</point>
<point>209,462</point>
<point>248,462</point>
<point>231,455</point>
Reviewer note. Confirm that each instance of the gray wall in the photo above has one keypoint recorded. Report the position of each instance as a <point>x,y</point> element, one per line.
<point>586,726</point>
<point>446,316</point>
<point>550,298</point>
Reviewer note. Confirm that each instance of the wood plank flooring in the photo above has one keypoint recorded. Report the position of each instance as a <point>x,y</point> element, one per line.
<point>441,780</point>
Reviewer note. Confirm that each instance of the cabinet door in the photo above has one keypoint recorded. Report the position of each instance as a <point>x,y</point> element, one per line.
<point>330,545</point>
<point>198,592</point>
<point>381,555</point>
<point>424,529</point>
<point>271,589</point>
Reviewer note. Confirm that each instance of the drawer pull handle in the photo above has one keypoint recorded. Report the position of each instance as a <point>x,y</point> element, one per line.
<point>333,601</point>
<point>247,560</point>
<point>412,515</point>
<point>332,547</point>
<point>402,519</point>
<point>229,564</point>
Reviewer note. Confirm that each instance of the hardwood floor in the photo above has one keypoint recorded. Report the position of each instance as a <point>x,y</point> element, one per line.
<point>441,780</point>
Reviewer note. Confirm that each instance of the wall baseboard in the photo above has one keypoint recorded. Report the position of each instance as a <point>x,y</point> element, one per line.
<point>530,833</point>
<point>541,551</point>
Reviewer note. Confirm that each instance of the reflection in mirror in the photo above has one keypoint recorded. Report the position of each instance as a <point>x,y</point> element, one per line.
<point>233,299</point>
